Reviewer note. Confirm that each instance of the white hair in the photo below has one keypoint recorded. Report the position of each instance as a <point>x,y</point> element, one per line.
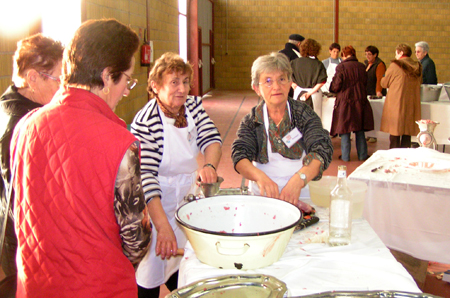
<point>424,45</point>
<point>268,63</point>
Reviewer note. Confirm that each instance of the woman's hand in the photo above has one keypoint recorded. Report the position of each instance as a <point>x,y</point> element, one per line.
<point>291,191</point>
<point>166,242</point>
<point>207,175</point>
<point>306,96</point>
<point>267,187</point>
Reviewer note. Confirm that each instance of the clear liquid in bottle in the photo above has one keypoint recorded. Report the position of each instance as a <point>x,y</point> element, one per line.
<point>340,211</point>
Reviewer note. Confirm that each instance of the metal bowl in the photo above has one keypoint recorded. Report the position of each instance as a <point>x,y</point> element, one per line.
<point>447,89</point>
<point>430,92</point>
<point>211,189</point>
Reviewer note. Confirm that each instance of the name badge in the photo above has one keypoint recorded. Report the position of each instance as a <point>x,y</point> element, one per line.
<point>292,137</point>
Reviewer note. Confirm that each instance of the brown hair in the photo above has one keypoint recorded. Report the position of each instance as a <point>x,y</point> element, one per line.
<point>348,51</point>
<point>335,45</point>
<point>310,47</point>
<point>36,52</point>
<point>406,49</point>
<point>373,49</point>
<point>97,45</point>
<point>168,63</point>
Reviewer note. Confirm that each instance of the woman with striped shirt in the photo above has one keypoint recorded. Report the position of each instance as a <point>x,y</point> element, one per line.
<point>172,128</point>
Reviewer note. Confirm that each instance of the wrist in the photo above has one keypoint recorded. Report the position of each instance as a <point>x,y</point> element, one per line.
<point>211,166</point>
<point>303,178</point>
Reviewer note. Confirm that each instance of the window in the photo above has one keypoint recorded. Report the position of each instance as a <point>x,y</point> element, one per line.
<point>57,23</point>
<point>182,28</point>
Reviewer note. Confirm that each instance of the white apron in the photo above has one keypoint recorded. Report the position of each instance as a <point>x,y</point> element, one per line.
<point>331,70</point>
<point>177,173</point>
<point>279,168</point>
<point>316,98</point>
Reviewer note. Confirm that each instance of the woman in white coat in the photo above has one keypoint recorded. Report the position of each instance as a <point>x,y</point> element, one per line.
<point>172,128</point>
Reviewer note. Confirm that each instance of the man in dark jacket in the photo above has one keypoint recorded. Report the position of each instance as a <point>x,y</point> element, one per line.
<point>292,47</point>
<point>292,51</point>
<point>428,67</point>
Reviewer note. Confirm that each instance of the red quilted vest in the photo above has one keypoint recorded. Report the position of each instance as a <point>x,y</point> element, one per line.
<point>69,243</point>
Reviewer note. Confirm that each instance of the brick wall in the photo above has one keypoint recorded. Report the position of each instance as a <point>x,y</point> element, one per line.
<point>245,29</point>
<point>163,31</point>
<point>8,45</point>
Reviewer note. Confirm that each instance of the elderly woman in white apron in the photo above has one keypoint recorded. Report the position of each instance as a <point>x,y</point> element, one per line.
<point>281,144</point>
<point>173,128</point>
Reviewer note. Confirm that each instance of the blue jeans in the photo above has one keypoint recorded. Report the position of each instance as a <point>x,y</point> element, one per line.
<point>361,145</point>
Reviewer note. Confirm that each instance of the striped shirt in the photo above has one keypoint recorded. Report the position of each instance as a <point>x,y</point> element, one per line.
<point>148,128</point>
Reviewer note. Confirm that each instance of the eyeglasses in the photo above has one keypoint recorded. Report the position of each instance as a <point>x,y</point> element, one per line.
<point>131,83</point>
<point>50,77</point>
<point>269,82</point>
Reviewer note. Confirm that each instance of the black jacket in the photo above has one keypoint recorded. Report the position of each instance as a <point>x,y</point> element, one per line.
<point>428,71</point>
<point>372,77</point>
<point>13,106</point>
<point>289,51</point>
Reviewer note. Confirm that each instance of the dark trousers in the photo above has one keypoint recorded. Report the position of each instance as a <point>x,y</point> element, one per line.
<point>403,141</point>
<point>361,145</point>
<point>171,284</point>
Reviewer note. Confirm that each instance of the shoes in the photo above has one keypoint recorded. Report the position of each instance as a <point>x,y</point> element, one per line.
<point>368,156</point>
<point>340,158</point>
<point>371,140</point>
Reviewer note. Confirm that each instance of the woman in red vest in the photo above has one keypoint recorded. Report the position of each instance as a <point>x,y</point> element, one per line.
<point>81,219</point>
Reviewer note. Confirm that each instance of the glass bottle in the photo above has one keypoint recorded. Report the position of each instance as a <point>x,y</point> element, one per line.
<point>340,211</point>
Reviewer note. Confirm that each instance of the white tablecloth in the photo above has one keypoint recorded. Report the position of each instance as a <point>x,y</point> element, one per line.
<point>436,111</point>
<point>408,201</point>
<point>309,265</point>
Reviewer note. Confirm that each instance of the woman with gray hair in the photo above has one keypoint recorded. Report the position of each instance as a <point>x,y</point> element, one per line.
<point>36,72</point>
<point>428,67</point>
<point>281,144</point>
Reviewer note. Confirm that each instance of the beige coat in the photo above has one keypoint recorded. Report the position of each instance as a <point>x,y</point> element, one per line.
<point>402,105</point>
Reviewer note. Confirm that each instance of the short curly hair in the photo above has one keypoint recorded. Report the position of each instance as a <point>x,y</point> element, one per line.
<point>36,52</point>
<point>310,47</point>
<point>270,63</point>
<point>405,48</point>
<point>168,63</point>
<point>348,51</point>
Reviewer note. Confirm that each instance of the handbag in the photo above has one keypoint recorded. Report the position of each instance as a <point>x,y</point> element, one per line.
<point>8,285</point>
